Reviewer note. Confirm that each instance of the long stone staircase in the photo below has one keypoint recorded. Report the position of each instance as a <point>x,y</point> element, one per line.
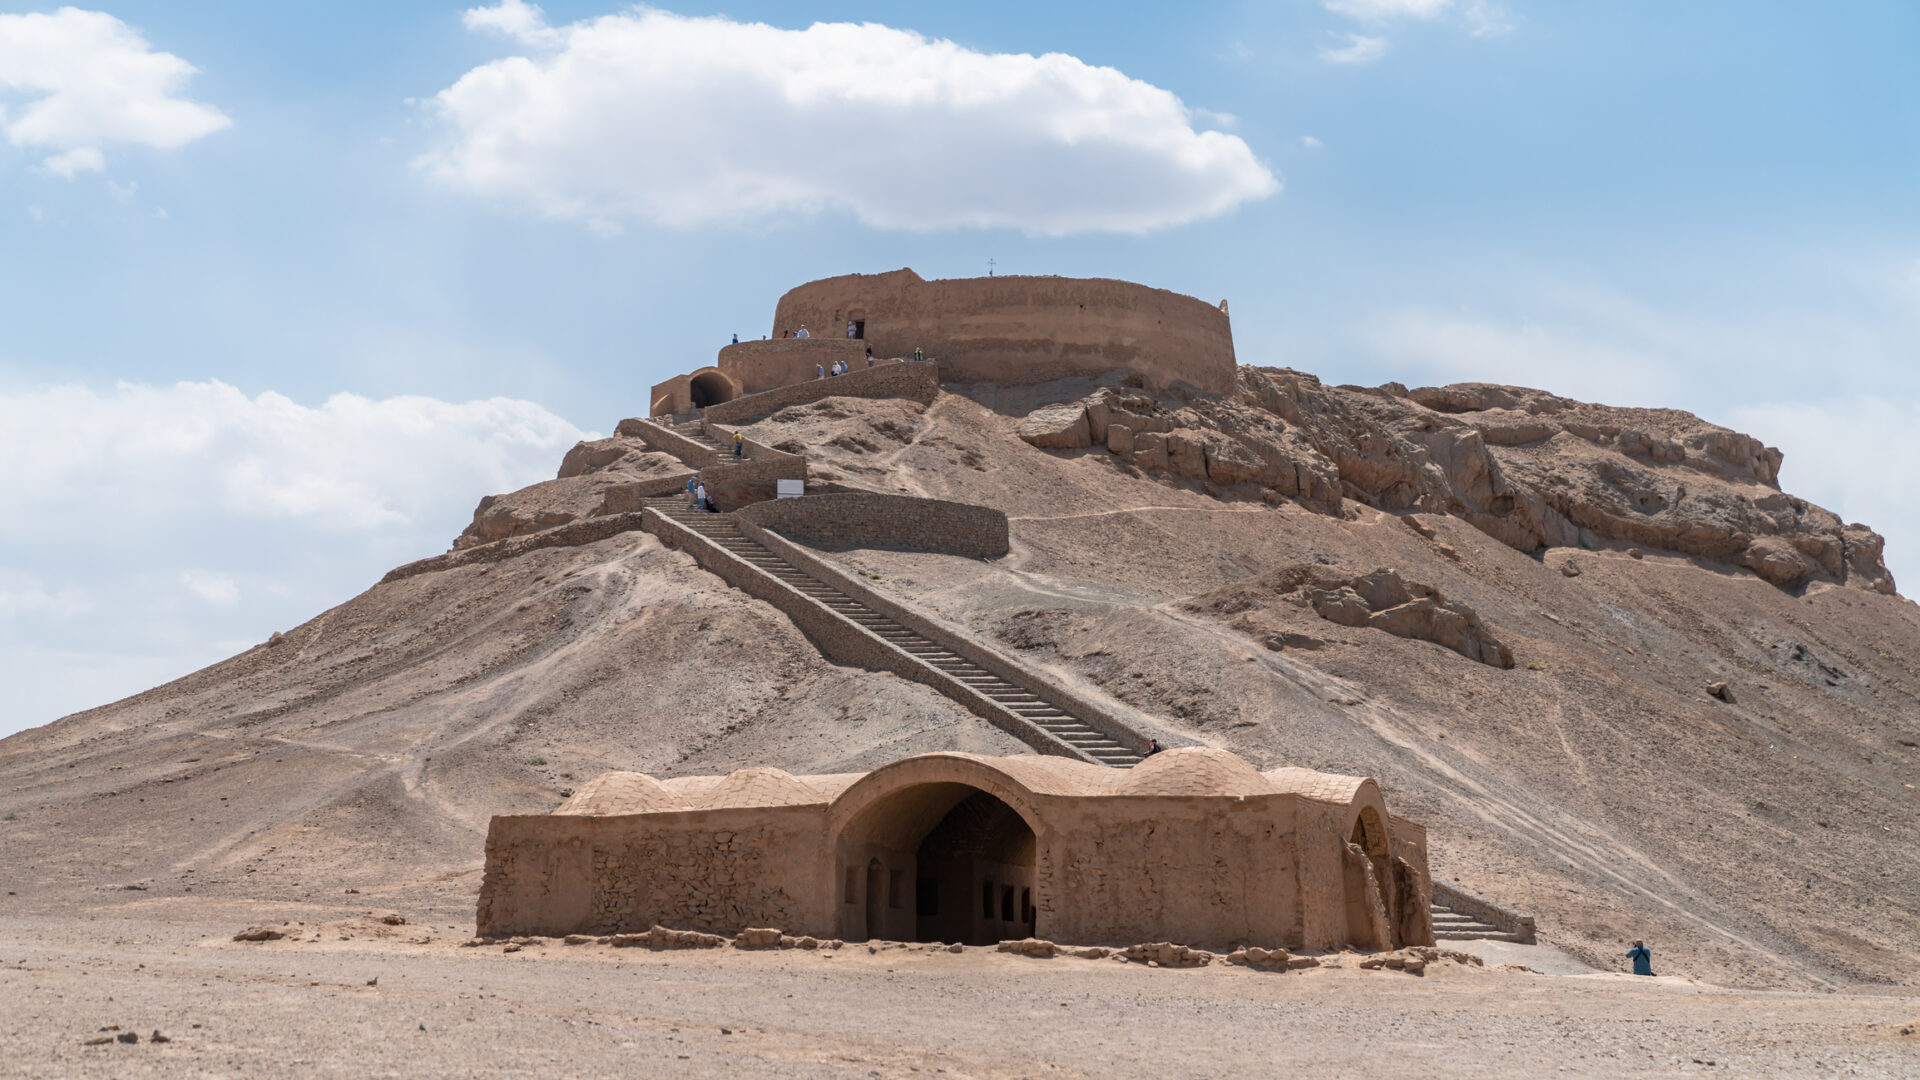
<point>921,657</point>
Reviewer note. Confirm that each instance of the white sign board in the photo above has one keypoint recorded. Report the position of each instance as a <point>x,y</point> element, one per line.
<point>789,489</point>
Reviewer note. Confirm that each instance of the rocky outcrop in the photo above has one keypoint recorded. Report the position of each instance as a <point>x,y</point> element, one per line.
<point>1382,600</point>
<point>1056,427</point>
<point>1526,467</point>
<point>606,476</point>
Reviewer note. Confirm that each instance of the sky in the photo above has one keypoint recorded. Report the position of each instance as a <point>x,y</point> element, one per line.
<point>286,288</point>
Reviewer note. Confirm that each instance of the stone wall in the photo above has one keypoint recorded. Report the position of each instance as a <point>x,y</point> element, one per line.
<point>844,521</point>
<point>886,379</point>
<point>1466,903</point>
<point>763,365</point>
<point>1021,330</point>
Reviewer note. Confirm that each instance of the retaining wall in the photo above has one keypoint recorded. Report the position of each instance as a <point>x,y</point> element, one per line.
<point>843,521</point>
<point>915,380</point>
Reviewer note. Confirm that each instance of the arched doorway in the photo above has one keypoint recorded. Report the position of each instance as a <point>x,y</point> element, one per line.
<point>941,861</point>
<point>709,388</point>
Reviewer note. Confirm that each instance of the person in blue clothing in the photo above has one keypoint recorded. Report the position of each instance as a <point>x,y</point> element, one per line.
<point>1642,958</point>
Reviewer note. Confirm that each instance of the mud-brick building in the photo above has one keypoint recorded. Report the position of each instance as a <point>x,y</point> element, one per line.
<point>1193,845</point>
<point>1012,331</point>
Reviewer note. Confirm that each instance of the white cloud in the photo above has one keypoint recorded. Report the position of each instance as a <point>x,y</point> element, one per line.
<point>1485,19</point>
<point>1311,143</point>
<point>1382,10</point>
<point>350,465</point>
<point>655,117</point>
<point>93,81</point>
<point>515,19</point>
<point>218,589</point>
<point>1359,49</point>
<point>74,162</point>
<point>149,528</point>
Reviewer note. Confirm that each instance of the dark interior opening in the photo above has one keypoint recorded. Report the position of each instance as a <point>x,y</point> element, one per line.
<point>709,388</point>
<point>981,844</point>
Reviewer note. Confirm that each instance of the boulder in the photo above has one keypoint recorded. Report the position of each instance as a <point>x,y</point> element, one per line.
<point>758,938</point>
<point>1120,439</point>
<point>1056,427</point>
<point>1778,560</point>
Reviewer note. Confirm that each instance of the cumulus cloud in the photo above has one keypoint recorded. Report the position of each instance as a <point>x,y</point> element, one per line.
<point>349,465</point>
<point>1359,49</point>
<point>655,117</point>
<point>150,529</point>
<point>92,81</point>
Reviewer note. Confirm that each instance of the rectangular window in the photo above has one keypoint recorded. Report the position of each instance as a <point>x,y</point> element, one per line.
<point>895,878</point>
<point>853,885</point>
<point>986,899</point>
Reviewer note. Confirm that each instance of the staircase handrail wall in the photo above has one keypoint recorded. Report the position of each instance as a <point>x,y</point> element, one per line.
<point>958,641</point>
<point>845,640</point>
<point>1487,911</point>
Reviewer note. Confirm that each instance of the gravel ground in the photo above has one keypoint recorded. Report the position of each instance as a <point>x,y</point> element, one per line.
<point>359,998</point>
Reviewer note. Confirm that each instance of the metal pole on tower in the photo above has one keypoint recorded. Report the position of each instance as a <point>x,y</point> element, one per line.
<point>989,267</point>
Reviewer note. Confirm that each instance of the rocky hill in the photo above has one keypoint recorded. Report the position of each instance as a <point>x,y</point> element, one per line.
<point>1631,686</point>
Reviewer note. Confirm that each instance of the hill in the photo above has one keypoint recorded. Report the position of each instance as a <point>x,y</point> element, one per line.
<point>1506,606</point>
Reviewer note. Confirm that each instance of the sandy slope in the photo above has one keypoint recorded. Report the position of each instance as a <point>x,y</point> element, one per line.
<point>1764,842</point>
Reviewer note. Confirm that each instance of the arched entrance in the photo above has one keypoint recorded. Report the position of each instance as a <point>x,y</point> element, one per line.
<point>941,861</point>
<point>709,388</point>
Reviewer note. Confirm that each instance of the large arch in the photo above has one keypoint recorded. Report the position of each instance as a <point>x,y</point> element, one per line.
<point>710,386</point>
<point>936,848</point>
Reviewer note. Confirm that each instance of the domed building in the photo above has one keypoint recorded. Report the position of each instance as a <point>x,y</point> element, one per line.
<point>1193,845</point>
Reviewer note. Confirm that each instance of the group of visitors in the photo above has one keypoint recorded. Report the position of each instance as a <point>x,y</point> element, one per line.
<point>697,491</point>
<point>800,333</point>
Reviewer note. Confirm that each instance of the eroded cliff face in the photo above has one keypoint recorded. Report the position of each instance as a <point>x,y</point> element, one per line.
<point>1529,468</point>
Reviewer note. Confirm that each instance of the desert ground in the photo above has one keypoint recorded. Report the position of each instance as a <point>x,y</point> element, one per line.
<point>345,994</point>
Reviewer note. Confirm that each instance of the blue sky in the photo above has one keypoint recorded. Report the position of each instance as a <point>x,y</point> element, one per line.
<point>409,301</point>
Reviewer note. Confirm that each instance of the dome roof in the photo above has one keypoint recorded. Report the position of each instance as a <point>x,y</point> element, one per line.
<point>1193,770</point>
<point>758,786</point>
<point>614,793</point>
<point>1319,786</point>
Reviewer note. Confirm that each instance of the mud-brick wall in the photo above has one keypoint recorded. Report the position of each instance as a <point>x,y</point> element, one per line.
<point>1024,330</point>
<point>1211,872</point>
<point>714,870</point>
<point>846,520</point>
<point>916,381</point>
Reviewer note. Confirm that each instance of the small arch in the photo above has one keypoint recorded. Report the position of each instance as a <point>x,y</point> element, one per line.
<point>709,388</point>
<point>1369,833</point>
